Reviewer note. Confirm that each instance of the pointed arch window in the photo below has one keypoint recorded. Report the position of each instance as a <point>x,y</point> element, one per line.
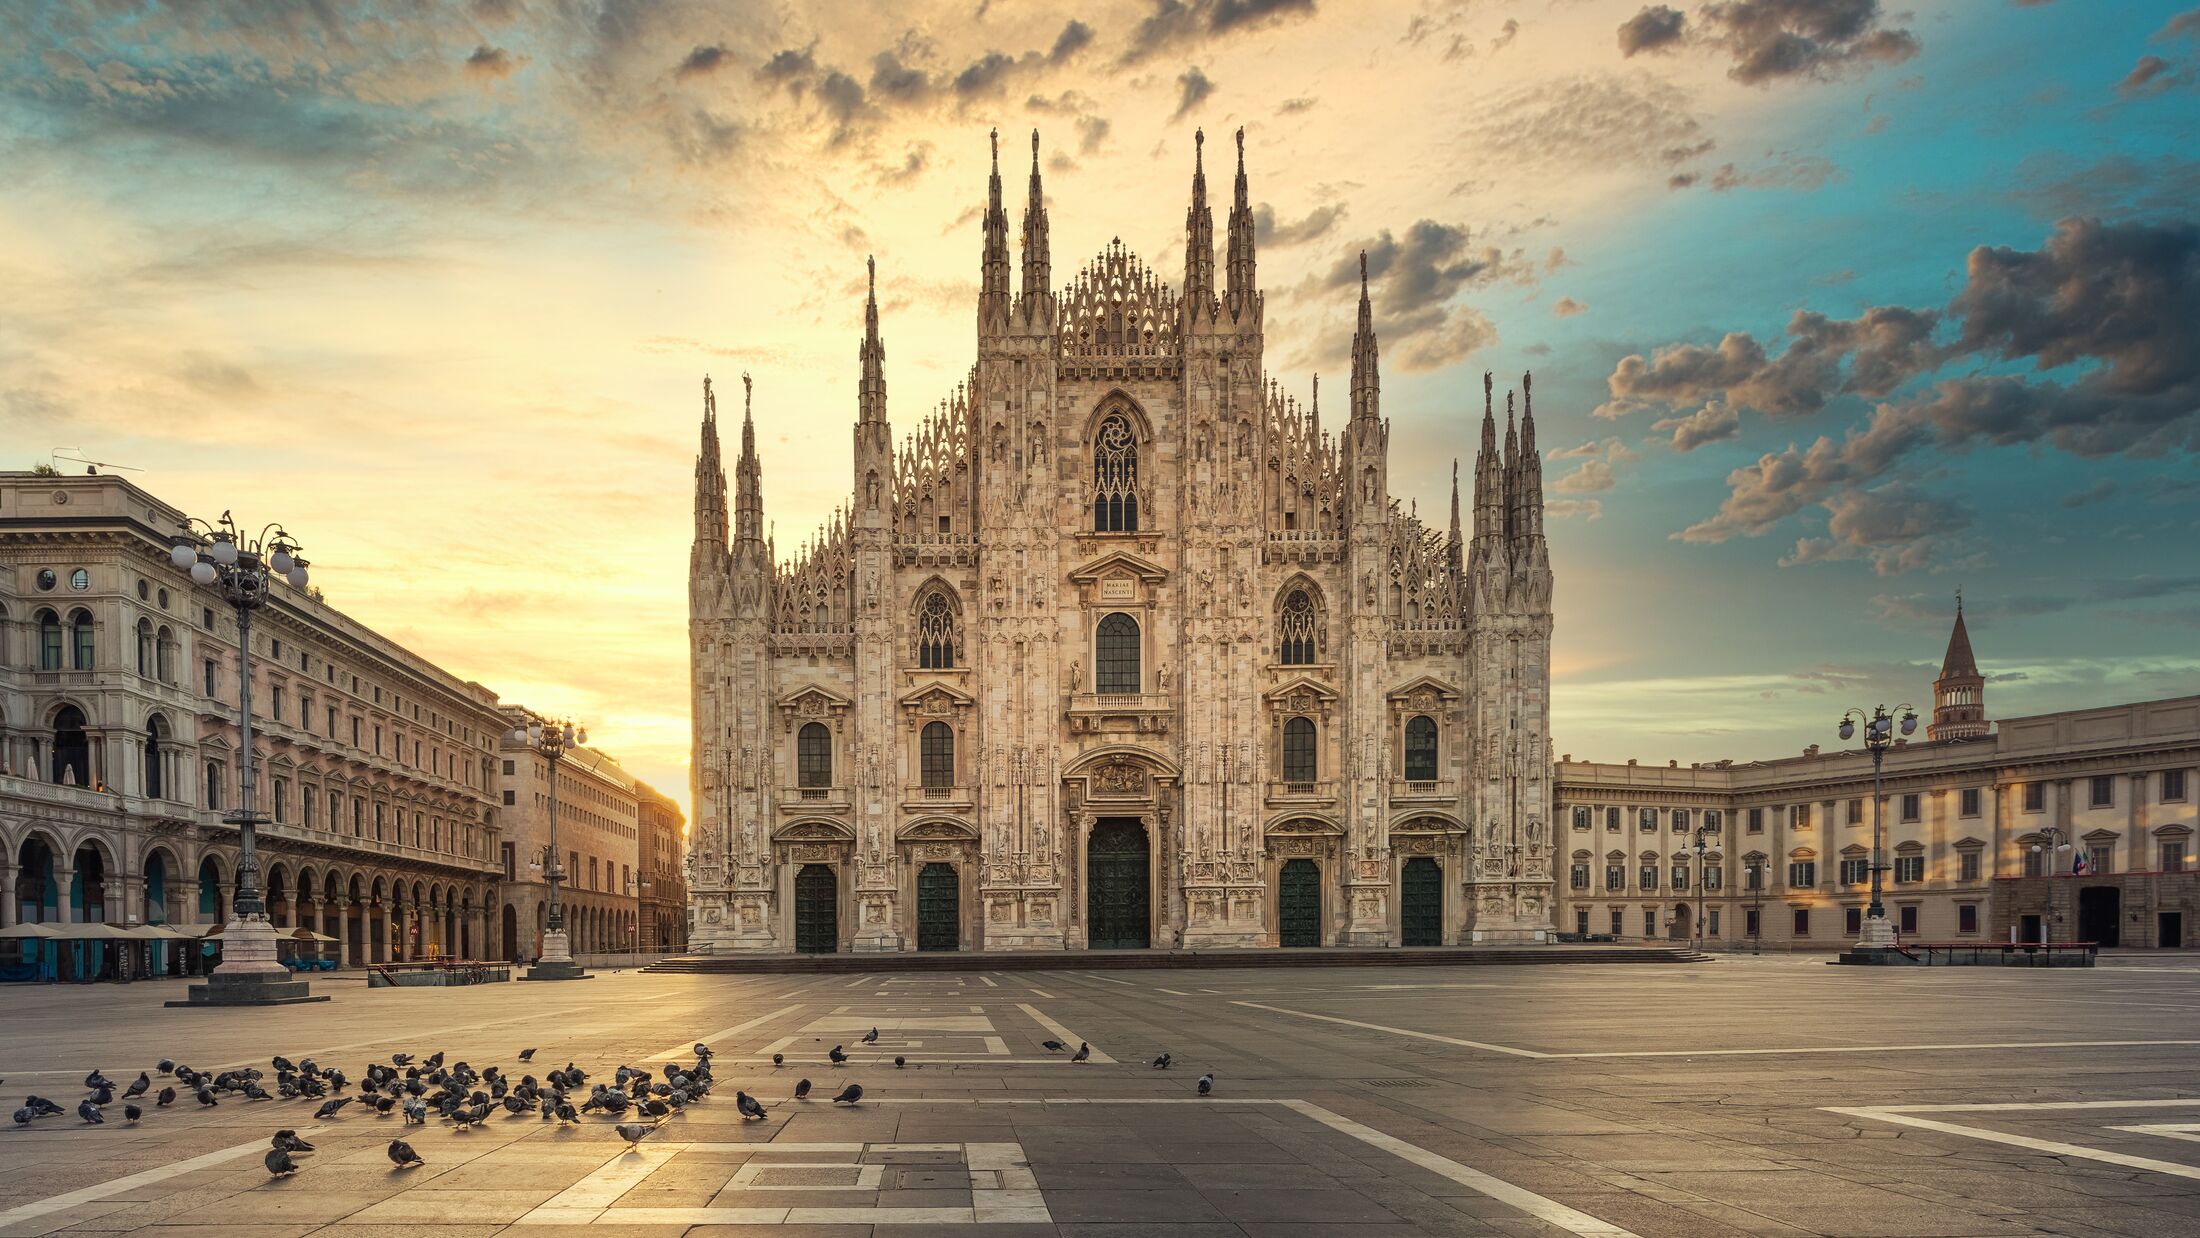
<point>1115,477</point>
<point>1298,750</point>
<point>935,632</point>
<point>1295,630</point>
<point>1421,749</point>
<point>937,755</point>
<point>813,755</point>
<point>1115,656</point>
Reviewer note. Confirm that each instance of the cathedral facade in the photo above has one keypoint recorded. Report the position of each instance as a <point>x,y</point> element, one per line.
<point>1122,649</point>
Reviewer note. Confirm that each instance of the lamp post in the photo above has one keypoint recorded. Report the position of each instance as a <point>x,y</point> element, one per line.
<point>1879,728</point>
<point>242,569</point>
<point>635,886</point>
<point>1756,908</point>
<point>2058,839</point>
<point>1699,848</point>
<point>551,742</point>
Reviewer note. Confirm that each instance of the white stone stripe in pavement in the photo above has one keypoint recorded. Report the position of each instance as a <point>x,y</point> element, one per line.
<point>1398,1031</point>
<point>684,1050</point>
<point>1106,979</point>
<point>1061,1033</point>
<point>102,1190</point>
<point>2048,1146</point>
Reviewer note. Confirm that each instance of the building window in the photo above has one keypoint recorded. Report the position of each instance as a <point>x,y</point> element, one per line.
<point>305,806</point>
<point>2173,856</point>
<point>937,755</point>
<point>1714,924</point>
<point>935,632</point>
<point>164,652</point>
<point>1647,819</point>
<point>1802,874</point>
<point>80,631</point>
<point>1420,749</point>
<point>1680,875</point>
<point>49,641</point>
<point>275,703</point>
<point>1115,477</point>
<point>1611,818</point>
<point>1855,871</point>
<point>2100,858</point>
<point>1967,866</point>
<point>1298,750</point>
<point>210,677</point>
<point>1966,917</point>
<point>1906,919</point>
<point>1753,874</point>
<point>1908,869</point>
<point>1115,656</point>
<point>2035,861</point>
<point>1648,876</point>
<point>1649,922</point>
<point>145,648</point>
<point>1616,928</point>
<point>1295,630</point>
<point>2173,785</point>
<point>1714,875</point>
<point>1752,922</point>
<point>213,774</point>
<point>1680,821</point>
<point>355,733</point>
<point>2035,796</point>
<point>510,767</point>
<point>1802,922</point>
<point>1581,817</point>
<point>282,798</point>
<point>1967,801</point>
<point>1713,820</point>
<point>156,756</point>
<point>1856,812</point>
<point>1578,877</point>
<point>1852,920</point>
<point>1799,816</point>
<point>1756,820</point>
<point>813,755</point>
<point>2102,792</point>
<point>510,798</point>
<point>1615,876</point>
<point>1910,806</point>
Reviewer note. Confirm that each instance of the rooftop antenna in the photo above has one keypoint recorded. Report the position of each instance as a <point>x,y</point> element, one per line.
<point>76,456</point>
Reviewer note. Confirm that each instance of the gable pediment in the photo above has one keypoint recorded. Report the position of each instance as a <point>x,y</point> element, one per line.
<point>1298,685</point>
<point>1118,563</point>
<point>1426,687</point>
<point>928,697</point>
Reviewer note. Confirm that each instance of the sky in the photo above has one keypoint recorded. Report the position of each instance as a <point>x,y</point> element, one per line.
<point>1834,306</point>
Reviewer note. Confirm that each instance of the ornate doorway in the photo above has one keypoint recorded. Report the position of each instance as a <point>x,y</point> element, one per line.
<point>816,910</point>
<point>1118,908</point>
<point>1299,904</point>
<point>939,908</point>
<point>1421,903</point>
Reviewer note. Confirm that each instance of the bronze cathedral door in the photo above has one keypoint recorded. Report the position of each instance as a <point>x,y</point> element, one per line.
<point>1118,912</point>
<point>1299,904</point>
<point>939,908</point>
<point>816,910</point>
<point>1421,903</point>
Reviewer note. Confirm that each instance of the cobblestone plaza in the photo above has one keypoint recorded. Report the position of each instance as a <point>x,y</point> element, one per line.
<point>1798,1099</point>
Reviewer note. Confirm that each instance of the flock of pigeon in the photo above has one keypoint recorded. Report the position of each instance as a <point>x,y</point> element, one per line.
<point>459,1094</point>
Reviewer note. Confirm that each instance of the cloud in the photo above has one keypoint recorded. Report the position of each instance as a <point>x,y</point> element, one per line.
<point>1412,281</point>
<point>1589,122</point>
<point>1075,37</point>
<point>1180,24</point>
<point>2095,493</point>
<point>1292,107</point>
<point>1592,477</point>
<point>1772,40</point>
<point>1868,355</point>
<point>1898,527</point>
<point>1714,422</point>
<point>701,61</point>
<point>2154,75</point>
<point>1567,307</point>
<point>1192,90</point>
<point>1268,232</point>
<point>490,62</point>
<point>1563,509</point>
<point>1657,27</point>
<point>2055,186</point>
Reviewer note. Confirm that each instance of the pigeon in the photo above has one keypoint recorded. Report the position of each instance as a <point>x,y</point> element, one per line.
<point>702,1051</point>
<point>40,1107</point>
<point>900,1061</point>
<point>279,1163</point>
<point>206,1098</point>
<point>288,1141</point>
<point>1162,1062</point>
<point>167,1098</point>
<point>402,1154</point>
<point>802,1090</point>
<point>97,1080</point>
<point>748,1105</point>
<point>168,1065</point>
<point>871,1037</point>
<point>132,1112</point>
<point>401,1059</point>
<point>779,1059</point>
<point>23,1115</point>
<point>1083,1051</point>
<point>851,1094</point>
<point>566,1112</point>
<point>837,1055</point>
<point>416,1112</point>
<point>90,1113</point>
<point>634,1132</point>
<point>138,1086</point>
<point>1052,1046</point>
<point>527,1055</point>
<point>1207,1083</point>
<point>383,1105</point>
<point>329,1108</point>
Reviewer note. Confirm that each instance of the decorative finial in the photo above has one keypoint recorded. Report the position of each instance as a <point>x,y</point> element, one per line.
<point>748,389</point>
<point>1486,385</point>
<point>996,150</point>
<point>1241,147</point>
<point>1035,149</point>
<point>1959,601</point>
<point>870,263</point>
<point>1199,149</point>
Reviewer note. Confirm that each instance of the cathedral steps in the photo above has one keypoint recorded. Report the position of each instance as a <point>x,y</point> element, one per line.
<point>1128,960</point>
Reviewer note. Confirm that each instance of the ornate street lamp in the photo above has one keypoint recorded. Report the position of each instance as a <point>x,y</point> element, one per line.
<point>552,742</point>
<point>1879,728</point>
<point>637,886</point>
<point>242,570</point>
<point>1700,848</point>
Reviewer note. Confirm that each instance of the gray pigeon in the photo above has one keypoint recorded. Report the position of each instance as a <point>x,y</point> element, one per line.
<point>132,1112</point>
<point>900,1061</point>
<point>23,1116</point>
<point>1207,1083</point>
<point>748,1105</point>
<point>1083,1051</point>
<point>279,1162</point>
<point>1162,1062</point>
<point>802,1090</point>
<point>402,1154</point>
<point>1052,1046</point>
<point>329,1108</point>
<point>851,1094</point>
<point>838,1055</point>
<point>138,1086</point>
<point>634,1132</point>
<point>871,1037</point>
<point>779,1059</point>
<point>288,1141</point>
<point>90,1113</point>
<point>527,1055</point>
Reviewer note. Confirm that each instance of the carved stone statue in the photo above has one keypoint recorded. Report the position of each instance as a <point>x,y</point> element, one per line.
<point>1076,675</point>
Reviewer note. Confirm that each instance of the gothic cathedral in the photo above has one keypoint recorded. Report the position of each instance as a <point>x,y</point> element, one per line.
<point>1122,650</point>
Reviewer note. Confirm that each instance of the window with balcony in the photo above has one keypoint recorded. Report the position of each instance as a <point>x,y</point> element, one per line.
<point>937,756</point>
<point>49,641</point>
<point>813,755</point>
<point>1115,656</point>
<point>1420,749</point>
<point>1298,751</point>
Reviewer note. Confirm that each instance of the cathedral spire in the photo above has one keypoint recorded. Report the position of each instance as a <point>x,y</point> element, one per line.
<point>1527,485</point>
<point>1240,273</point>
<point>1366,383</point>
<point>1038,267</point>
<point>1456,543</point>
<point>871,388</point>
<point>1489,489</point>
<point>993,285</point>
<point>1959,695</point>
<point>748,474</point>
<point>710,478</point>
<point>1199,235</point>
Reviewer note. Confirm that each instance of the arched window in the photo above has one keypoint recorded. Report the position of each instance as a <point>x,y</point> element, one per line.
<point>937,755</point>
<point>1298,750</point>
<point>1295,630</point>
<point>72,752</point>
<point>80,632</point>
<point>1115,656</point>
<point>1421,749</point>
<point>49,641</point>
<point>813,755</point>
<point>164,653</point>
<point>156,743</point>
<point>145,647</point>
<point>935,632</point>
<point>1115,477</point>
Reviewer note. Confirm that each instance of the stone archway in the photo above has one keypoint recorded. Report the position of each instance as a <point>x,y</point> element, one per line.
<point>1124,878</point>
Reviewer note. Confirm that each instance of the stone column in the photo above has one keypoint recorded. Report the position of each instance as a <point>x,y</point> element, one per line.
<point>343,934</point>
<point>10,911</point>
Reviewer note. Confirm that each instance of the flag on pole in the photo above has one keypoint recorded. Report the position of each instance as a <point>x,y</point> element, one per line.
<point>2077,864</point>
